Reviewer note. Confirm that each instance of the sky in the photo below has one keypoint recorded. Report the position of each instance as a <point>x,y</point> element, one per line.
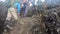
<point>2,0</point>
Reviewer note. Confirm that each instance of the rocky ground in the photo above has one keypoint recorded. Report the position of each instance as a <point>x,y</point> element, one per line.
<point>29,25</point>
<point>32,25</point>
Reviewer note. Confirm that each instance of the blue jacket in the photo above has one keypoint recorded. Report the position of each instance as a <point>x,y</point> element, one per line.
<point>17,5</point>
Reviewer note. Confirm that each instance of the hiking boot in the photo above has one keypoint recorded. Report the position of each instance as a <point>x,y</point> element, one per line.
<point>10,27</point>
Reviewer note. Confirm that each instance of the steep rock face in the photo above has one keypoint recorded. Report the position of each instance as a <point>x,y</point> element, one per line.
<point>3,14</point>
<point>34,24</point>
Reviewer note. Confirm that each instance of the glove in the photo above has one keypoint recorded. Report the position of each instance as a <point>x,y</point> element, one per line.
<point>18,14</point>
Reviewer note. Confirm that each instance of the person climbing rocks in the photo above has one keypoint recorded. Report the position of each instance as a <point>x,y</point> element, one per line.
<point>25,3</point>
<point>18,7</point>
<point>13,15</point>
